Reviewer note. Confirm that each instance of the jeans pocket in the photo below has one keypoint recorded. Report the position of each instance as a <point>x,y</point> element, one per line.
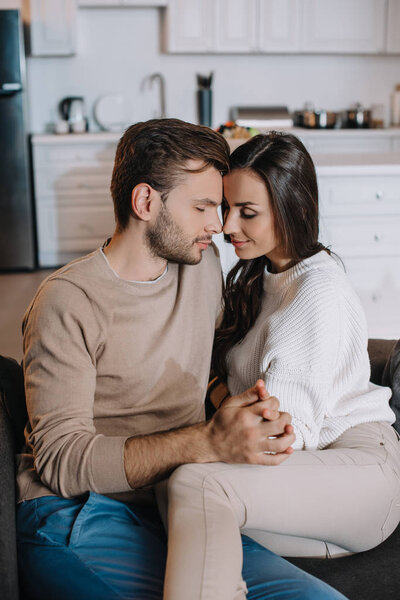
<point>55,518</point>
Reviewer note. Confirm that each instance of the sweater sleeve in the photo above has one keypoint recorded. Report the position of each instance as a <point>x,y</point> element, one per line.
<point>61,338</point>
<point>300,357</point>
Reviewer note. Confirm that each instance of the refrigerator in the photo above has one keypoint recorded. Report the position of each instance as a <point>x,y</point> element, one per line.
<point>17,237</point>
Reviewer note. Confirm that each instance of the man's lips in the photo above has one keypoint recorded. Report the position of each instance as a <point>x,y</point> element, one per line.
<point>203,244</point>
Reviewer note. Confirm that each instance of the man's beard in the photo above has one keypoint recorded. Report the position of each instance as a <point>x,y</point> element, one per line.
<point>166,239</point>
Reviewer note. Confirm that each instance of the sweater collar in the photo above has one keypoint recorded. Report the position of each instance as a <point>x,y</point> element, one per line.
<point>276,282</point>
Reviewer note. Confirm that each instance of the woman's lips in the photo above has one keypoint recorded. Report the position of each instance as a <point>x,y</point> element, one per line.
<point>238,244</point>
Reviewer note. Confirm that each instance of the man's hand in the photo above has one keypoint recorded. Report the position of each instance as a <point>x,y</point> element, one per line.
<point>250,429</point>
<point>245,429</point>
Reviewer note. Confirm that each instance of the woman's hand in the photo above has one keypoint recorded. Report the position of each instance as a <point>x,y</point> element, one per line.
<point>240,432</point>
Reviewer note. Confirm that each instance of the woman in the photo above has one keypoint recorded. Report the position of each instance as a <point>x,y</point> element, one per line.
<point>292,319</point>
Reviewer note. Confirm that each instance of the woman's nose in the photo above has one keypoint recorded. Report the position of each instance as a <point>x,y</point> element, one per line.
<point>229,225</point>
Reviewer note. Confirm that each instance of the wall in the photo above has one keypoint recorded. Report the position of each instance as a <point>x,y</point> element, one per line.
<point>118,48</point>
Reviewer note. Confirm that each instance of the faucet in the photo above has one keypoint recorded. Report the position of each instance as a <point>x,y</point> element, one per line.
<point>161,82</point>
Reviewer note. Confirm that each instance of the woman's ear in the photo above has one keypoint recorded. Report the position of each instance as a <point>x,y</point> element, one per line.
<point>142,201</point>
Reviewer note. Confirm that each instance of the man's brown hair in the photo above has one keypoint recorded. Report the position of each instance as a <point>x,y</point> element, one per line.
<point>156,152</point>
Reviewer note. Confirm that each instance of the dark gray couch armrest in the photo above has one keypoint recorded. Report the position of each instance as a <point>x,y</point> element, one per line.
<point>8,550</point>
<point>379,351</point>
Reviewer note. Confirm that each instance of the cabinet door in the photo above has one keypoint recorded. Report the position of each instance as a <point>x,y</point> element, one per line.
<point>235,29</point>
<point>377,283</point>
<point>95,3</point>
<point>189,26</point>
<point>393,27</point>
<point>138,3</point>
<point>343,26</point>
<point>52,26</point>
<point>279,25</point>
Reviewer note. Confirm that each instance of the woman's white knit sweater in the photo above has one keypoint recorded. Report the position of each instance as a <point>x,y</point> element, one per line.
<point>309,344</point>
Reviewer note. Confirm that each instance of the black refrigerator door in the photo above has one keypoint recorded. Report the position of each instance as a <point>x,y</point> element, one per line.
<point>10,47</point>
<point>16,221</point>
<point>17,250</point>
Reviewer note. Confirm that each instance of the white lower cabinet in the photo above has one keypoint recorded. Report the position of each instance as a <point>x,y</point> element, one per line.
<point>359,218</point>
<point>74,209</point>
<point>360,221</point>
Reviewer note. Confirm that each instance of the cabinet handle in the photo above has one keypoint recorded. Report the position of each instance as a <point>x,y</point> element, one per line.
<point>378,237</point>
<point>379,195</point>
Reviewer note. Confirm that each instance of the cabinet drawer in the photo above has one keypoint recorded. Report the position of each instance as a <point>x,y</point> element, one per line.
<point>74,228</point>
<point>75,181</point>
<point>349,145</point>
<point>350,237</point>
<point>359,195</point>
<point>74,154</point>
<point>377,283</point>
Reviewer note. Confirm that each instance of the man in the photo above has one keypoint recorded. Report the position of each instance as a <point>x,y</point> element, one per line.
<point>117,352</point>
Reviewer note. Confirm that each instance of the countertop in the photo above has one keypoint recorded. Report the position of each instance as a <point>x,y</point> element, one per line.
<point>111,136</point>
<point>326,164</point>
<point>384,163</point>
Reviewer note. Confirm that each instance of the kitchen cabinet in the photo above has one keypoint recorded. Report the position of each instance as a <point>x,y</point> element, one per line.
<point>111,3</point>
<point>393,31</point>
<point>360,219</point>
<point>74,209</point>
<point>188,26</point>
<point>279,26</point>
<point>359,209</point>
<point>343,26</point>
<point>51,27</point>
<point>235,26</point>
<point>205,26</point>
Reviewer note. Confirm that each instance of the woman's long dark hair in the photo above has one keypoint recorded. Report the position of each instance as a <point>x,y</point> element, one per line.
<point>286,168</point>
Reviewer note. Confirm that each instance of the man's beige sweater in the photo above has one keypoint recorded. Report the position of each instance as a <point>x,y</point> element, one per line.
<point>106,359</point>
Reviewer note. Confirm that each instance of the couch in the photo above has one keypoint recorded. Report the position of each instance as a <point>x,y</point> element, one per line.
<point>369,575</point>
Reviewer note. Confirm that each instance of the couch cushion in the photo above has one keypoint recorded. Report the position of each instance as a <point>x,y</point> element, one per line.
<point>12,395</point>
<point>391,378</point>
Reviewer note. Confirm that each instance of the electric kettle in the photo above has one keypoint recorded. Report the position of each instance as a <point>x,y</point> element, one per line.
<point>72,109</point>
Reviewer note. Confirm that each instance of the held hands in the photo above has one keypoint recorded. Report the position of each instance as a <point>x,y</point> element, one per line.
<point>249,428</point>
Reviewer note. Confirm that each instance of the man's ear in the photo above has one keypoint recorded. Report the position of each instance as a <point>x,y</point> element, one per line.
<point>143,200</point>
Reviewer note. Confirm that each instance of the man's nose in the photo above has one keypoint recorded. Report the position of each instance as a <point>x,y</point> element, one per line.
<point>215,226</point>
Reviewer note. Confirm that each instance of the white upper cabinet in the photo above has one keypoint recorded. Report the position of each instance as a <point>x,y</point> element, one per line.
<point>51,26</point>
<point>235,25</point>
<point>188,26</point>
<point>393,31</point>
<point>138,3</point>
<point>90,3</point>
<point>344,26</point>
<point>279,23</point>
<point>283,26</point>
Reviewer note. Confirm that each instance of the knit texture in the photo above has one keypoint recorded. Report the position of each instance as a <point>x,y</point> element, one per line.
<point>309,344</point>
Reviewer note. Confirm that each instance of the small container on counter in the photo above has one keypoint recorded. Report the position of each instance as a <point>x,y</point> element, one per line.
<point>396,105</point>
<point>61,127</point>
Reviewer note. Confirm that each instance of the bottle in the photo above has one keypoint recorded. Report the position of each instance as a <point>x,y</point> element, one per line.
<point>396,105</point>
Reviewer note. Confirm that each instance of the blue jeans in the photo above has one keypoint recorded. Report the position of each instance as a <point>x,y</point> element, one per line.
<point>93,547</point>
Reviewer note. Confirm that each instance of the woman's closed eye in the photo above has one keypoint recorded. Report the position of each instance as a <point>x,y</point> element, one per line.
<point>247,214</point>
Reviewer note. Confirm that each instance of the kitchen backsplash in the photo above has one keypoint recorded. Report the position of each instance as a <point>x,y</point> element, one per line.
<point>118,49</point>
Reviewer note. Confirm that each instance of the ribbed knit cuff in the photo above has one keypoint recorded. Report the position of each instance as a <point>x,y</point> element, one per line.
<point>108,469</point>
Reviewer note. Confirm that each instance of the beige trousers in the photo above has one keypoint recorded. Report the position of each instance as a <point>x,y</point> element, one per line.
<point>343,499</point>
